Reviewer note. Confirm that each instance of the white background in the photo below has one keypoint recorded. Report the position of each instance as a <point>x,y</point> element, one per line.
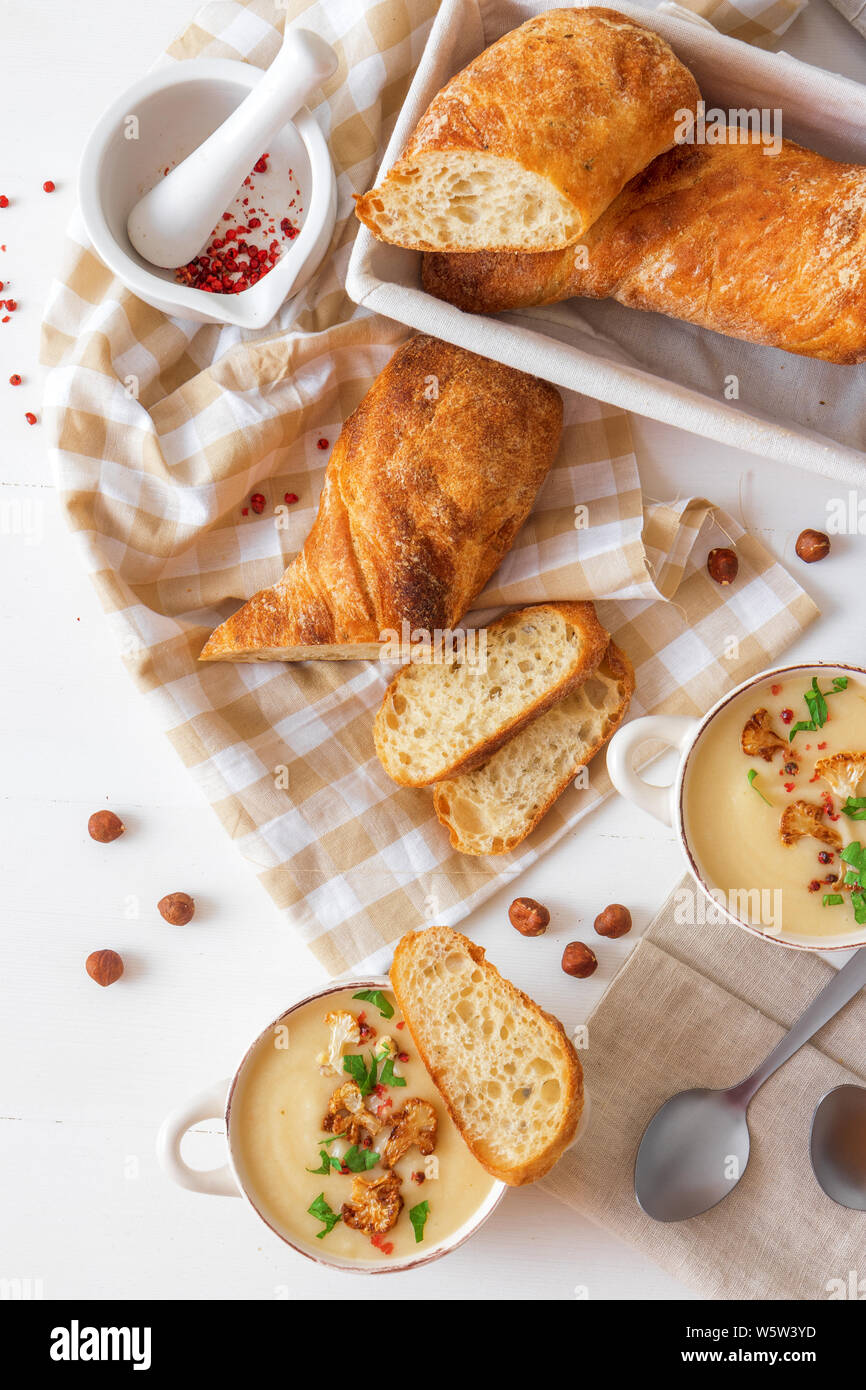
<point>87,1074</point>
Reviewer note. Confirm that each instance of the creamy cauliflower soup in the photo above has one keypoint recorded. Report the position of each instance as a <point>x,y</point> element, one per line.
<point>775,804</point>
<point>341,1139</point>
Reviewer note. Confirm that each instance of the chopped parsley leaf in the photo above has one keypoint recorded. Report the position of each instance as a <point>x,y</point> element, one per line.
<point>375,996</point>
<point>325,1214</point>
<point>418,1216</point>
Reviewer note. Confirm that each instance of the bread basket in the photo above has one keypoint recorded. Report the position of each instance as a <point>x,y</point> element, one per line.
<point>759,399</point>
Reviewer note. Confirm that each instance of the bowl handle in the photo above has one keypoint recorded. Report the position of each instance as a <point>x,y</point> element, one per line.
<point>206,1105</point>
<point>675,730</point>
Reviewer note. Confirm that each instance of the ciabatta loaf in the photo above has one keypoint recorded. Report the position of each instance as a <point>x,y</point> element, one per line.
<point>508,1074</point>
<point>767,248</point>
<point>428,484</point>
<point>490,810</point>
<point>525,147</point>
<point>446,717</point>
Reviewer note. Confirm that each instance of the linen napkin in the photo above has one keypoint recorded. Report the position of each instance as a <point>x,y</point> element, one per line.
<point>698,1004</point>
<point>854,11</point>
<point>155,483</point>
<point>760,22</point>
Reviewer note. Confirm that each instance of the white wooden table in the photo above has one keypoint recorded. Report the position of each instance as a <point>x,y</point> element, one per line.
<point>87,1074</point>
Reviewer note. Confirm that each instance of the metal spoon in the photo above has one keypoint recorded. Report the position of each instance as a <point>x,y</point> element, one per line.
<point>837,1145</point>
<point>695,1148</point>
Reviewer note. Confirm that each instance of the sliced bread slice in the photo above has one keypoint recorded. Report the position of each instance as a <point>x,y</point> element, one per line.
<point>490,810</point>
<point>441,718</point>
<point>525,147</point>
<point>510,1078</point>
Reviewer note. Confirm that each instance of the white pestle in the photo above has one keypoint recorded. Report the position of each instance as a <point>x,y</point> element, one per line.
<point>171,223</point>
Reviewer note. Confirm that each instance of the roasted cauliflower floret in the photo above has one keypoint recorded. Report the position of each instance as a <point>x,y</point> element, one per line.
<point>759,739</point>
<point>843,773</point>
<point>414,1125</point>
<point>387,1047</point>
<point>807,818</point>
<point>344,1030</point>
<point>375,1205</point>
<point>347,1114</point>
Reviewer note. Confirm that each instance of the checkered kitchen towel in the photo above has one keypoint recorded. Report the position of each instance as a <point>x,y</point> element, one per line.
<point>760,22</point>
<point>154,488</point>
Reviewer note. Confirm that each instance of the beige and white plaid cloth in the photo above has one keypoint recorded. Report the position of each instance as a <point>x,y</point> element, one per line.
<point>760,22</point>
<point>153,486</point>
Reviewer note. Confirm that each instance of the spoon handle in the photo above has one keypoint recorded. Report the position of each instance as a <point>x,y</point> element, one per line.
<point>848,982</point>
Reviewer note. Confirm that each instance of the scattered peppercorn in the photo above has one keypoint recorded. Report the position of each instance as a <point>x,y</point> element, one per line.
<point>814,885</point>
<point>322,444</point>
<point>14,379</point>
<point>30,417</point>
<point>786,716</point>
<point>48,186</point>
<point>824,856</point>
<point>11,305</point>
<point>257,502</point>
<point>4,201</point>
<point>792,768</point>
<point>775,689</point>
<point>289,498</point>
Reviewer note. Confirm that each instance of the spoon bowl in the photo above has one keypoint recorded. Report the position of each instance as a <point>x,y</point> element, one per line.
<point>695,1148</point>
<point>693,1153</point>
<point>837,1145</point>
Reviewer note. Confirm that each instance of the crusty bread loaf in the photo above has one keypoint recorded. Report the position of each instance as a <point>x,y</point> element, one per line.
<point>526,146</point>
<point>490,810</point>
<point>428,484</point>
<point>445,717</point>
<point>510,1078</point>
<point>767,248</point>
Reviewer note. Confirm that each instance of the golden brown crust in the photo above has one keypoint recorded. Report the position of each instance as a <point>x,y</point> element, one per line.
<point>769,249</point>
<point>571,1073</point>
<point>615,664</point>
<point>582,97</point>
<point>427,486</point>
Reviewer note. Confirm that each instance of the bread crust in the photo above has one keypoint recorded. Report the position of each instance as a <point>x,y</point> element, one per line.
<point>770,249</point>
<point>622,671</point>
<point>442,940</point>
<point>584,98</point>
<point>428,484</point>
<point>581,614</point>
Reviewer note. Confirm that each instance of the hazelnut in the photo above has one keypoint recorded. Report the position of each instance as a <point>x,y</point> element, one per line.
<point>105,826</point>
<point>104,967</point>
<point>579,960</point>
<point>722,565</point>
<point>614,921</point>
<point>177,908</point>
<point>812,545</point>
<point>528,917</point>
